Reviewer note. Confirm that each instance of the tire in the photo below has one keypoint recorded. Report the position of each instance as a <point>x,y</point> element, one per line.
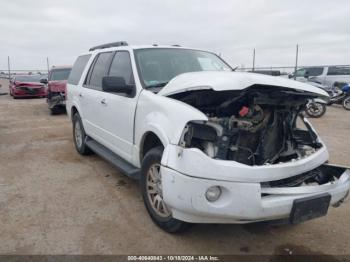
<point>53,111</point>
<point>79,136</point>
<point>150,171</point>
<point>56,110</point>
<point>346,103</point>
<point>315,109</point>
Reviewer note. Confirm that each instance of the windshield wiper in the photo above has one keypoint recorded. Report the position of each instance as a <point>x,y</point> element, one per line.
<point>157,85</point>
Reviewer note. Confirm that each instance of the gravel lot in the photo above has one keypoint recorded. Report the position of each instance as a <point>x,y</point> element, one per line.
<point>54,201</point>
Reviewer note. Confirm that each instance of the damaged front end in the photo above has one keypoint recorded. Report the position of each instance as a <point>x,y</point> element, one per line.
<point>257,148</point>
<point>261,125</point>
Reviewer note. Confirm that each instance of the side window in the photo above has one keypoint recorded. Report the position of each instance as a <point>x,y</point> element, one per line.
<point>315,71</point>
<point>121,67</point>
<point>99,70</point>
<point>78,69</point>
<point>337,70</point>
<point>300,72</point>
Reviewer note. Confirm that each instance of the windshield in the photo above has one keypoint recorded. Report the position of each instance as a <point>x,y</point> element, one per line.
<point>59,74</point>
<point>159,65</point>
<point>28,78</point>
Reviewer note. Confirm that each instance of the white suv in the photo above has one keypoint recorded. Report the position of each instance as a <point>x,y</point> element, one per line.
<point>208,145</point>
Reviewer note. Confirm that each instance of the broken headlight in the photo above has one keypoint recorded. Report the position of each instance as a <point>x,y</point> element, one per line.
<point>203,136</point>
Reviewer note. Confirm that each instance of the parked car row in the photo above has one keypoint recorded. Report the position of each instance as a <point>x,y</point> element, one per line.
<point>51,86</point>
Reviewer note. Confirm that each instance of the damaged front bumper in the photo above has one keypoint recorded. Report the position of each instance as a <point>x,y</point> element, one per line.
<point>56,100</point>
<point>245,192</point>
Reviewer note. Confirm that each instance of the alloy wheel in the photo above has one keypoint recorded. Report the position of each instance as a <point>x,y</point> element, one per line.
<point>154,191</point>
<point>78,134</point>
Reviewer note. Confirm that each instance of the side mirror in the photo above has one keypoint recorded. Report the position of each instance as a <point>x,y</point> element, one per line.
<point>116,84</point>
<point>307,75</point>
<point>290,76</point>
<point>44,81</point>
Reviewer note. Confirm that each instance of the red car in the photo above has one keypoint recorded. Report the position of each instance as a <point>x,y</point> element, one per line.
<point>57,88</point>
<point>27,86</point>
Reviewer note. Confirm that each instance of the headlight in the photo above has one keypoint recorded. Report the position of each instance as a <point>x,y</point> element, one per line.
<point>213,193</point>
<point>200,132</point>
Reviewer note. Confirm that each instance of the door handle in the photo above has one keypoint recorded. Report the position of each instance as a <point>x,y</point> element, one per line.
<point>80,95</point>
<point>103,101</point>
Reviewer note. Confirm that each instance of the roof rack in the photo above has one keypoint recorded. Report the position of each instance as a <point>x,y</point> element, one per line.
<point>115,44</point>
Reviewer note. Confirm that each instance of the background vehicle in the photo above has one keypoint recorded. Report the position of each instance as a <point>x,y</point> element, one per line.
<point>56,88</point>
<point>325,75</point>
<point>27,86</point>
<point>202,139</point>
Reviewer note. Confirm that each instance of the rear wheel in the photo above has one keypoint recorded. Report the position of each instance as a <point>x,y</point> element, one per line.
<point>346,103</point>
<point>151,187</point>
<point>79,136</point>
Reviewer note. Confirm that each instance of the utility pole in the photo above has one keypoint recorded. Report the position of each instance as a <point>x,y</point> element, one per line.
<point>48,65</point>
<point>9,67</point>
<point>253,60</point>
<point>296,62</point>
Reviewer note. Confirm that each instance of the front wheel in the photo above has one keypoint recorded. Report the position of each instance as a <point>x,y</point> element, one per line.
<point>315,109</point>
<point>152,193</point>
<point>346,103</point>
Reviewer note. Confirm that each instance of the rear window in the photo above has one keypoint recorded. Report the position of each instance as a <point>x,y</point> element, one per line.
<point>59,74</point>
<point>338,70</point>
<point>78,69</point>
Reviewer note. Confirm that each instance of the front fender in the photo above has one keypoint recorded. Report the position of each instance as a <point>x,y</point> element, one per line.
<point>166,117</point>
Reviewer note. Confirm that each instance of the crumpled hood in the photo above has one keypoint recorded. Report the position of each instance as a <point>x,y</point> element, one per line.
<point>221,81</point>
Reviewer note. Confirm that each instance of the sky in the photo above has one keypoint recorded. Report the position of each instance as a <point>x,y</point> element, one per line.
<point>32,30</point>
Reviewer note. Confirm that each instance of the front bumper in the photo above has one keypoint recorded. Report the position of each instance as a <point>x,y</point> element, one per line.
<point>242,200</point>
<point>29,92</point>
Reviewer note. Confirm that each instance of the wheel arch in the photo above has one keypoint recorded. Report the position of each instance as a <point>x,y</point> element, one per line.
<point>73,111</point>
<point>150,140</point>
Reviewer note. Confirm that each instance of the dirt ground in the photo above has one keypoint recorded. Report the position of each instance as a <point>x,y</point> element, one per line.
<point>54,201</point>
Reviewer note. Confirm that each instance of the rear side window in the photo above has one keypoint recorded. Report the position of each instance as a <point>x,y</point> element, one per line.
<point>99,70</point>
<point>338,70</point>
<point>121,67</point>
<point>314,71</point>
<point>78,69</point>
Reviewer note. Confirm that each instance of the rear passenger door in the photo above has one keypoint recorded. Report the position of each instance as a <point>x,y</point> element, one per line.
<point>118,109</point>
<point>92,95</point>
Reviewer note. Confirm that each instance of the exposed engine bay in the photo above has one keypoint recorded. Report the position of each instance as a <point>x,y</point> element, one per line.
<point>256,126</point>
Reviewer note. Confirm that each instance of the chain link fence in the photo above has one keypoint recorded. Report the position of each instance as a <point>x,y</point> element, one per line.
<point>8,74</point>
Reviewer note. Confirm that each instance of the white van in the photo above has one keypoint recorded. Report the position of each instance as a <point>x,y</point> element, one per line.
<point>325,75</point>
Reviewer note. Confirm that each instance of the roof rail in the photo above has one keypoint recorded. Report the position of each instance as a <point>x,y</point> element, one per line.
<point>115,44</point>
